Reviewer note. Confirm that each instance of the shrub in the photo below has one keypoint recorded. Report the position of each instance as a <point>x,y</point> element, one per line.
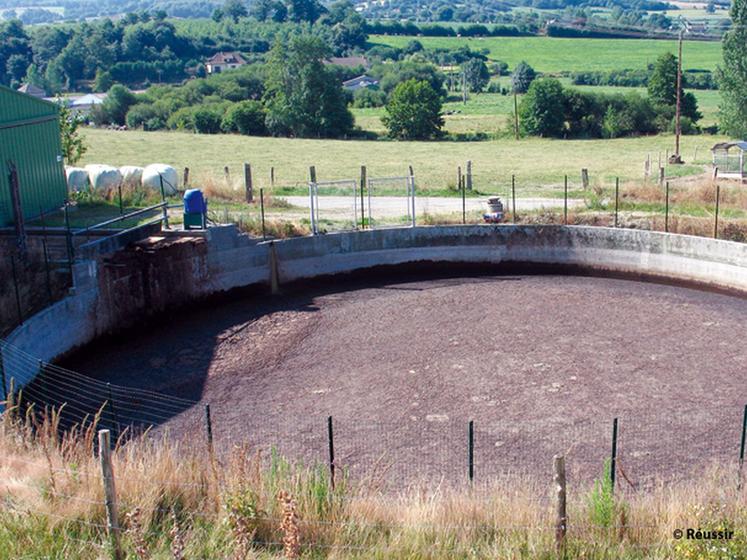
<point>368,97</point>
<point>207,119</point>
<point>245,117</point>
<point>601,500</point>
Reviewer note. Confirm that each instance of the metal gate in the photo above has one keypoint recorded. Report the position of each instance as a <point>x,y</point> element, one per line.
<point>333,205</point>
<point>391,201</point>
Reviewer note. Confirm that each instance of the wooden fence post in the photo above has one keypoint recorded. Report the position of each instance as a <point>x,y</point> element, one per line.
<point>272,177</point>
<point>186,177</point>
<point>469,175</point>
<point>226,174</point>
<point>561,518</point>
<point>585,178</point>
<point>248,183</point>
<point>110,494</point>
<point>661,176</point>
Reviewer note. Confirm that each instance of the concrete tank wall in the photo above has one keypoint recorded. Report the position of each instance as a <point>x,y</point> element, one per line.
<point>127,288</point>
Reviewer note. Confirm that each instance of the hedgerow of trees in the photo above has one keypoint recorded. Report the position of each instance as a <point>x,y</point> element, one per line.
<point>550,110</point>
<point>145,48</point>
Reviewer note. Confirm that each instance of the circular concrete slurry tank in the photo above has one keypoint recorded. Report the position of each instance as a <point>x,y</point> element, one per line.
<point>541,363</point>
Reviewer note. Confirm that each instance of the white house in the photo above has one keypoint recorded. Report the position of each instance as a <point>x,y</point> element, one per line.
<point>223,61</point>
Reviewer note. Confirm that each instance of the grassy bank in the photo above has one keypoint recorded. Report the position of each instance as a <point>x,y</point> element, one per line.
<point>174,502</point>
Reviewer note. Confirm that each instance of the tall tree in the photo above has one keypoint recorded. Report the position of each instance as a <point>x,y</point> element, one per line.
<point>305,10</point>
<point>541,109</point>
<point>522,77</point>
<point>414,111</point>
<point>732,76</point>
<point>662,91</point>
<point>235,9</point>
<point>476,74</point>
<point>15,52</point>
<point>118,101</point>
<point>662,84</point>
<point>303,98</point>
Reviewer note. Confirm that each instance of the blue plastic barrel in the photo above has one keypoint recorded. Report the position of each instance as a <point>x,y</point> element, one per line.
<point>194,202</point>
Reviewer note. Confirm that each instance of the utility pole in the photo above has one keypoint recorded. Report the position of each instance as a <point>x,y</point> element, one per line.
<point>676,158</point>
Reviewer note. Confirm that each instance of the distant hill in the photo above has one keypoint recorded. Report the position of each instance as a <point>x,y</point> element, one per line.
<point>81,9</point>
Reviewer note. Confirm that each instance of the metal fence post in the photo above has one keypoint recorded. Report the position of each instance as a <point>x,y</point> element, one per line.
<point>46,255</point>
<point>666,209</point>
<point>565,200</point>
<point>312,185</point>
<point>412,192</point>
<point>121,207</point>
<point>617,198</point>
<point>16,289</point>
<point>69,239</point>
<point>331,441</point>
<point>4,381</point>
<point>741,444</point>
<point>262,212</point>
<point>613,462</point>
<point>715,221</point>
<point>163,200</point>
<point>364,177</point>
<point>471,446</point>
<point>561,516</point>
<point>209,429</point>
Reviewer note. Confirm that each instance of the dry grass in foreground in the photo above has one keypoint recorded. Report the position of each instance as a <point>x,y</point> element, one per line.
<point>175,502</point>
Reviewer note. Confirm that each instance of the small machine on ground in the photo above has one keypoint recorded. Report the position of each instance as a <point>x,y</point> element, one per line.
<point>195,210</point>
<point>494,214</point>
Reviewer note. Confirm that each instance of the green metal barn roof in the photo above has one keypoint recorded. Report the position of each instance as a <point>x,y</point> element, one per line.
<point>30,138</point>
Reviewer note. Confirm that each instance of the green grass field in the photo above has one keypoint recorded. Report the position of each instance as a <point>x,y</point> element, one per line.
<point>550,54</point>
<point>537,163</point>
<point>489,112</point>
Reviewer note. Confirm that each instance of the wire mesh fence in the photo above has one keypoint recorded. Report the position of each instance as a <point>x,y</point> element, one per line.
<point>648,447</point>
<point>387,457</point>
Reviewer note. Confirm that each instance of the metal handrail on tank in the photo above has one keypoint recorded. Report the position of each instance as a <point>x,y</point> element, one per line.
<point>162,206</point>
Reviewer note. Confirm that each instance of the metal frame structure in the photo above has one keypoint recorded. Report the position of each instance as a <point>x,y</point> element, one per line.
<point>314,202</point>
<point>409,181</point>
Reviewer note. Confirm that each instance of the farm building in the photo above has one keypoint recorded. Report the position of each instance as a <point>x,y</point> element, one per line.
<point>359,83</point>
<point>222,61</point>
<point>729,158</point>
<point>30,141</point>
